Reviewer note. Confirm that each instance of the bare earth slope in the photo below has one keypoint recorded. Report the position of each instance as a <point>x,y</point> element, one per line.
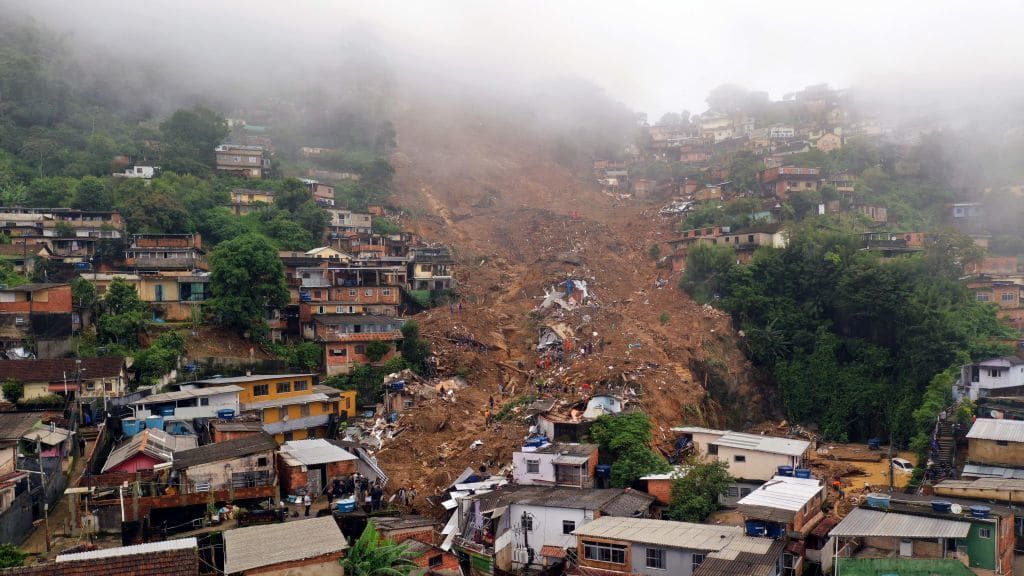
<point>511,213</point>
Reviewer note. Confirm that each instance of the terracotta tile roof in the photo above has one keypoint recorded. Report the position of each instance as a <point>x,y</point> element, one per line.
<point>54,369</point>
<point>552,551</point>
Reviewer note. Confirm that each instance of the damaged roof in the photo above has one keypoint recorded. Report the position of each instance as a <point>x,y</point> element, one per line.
<point>610,501</point>
<point>151,442</point>
<point>227,450</point>
<point>687,535</point>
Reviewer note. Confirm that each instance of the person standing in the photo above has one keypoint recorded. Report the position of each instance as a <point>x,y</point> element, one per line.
<point>308,502</point>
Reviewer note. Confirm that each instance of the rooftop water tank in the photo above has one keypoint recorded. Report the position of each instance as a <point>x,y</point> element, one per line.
<point>130,426</point>
<point>155,422</point>
<point>785,471</point>
<point>802,473</point>
<point>878,500</point>
<point>980,511</point>
<point>226,414</point>
<point>941,506</point>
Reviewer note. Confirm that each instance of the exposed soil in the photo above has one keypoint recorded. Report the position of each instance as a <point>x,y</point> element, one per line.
<point>511,214</point>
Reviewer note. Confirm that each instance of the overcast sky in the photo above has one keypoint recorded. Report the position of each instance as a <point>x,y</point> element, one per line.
<point>652,56</point>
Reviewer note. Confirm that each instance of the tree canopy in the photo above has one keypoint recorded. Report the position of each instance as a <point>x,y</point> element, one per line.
<point>246,278</point>
<point>625,442</point>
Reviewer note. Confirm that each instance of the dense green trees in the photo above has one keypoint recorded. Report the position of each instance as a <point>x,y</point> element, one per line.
<point>122,315</point>
<point>696,490</point>
<point>372,555</point>
<point>625,442</point>
<point>246,279</point>
<point>851,340</point>
<point>189,138</point>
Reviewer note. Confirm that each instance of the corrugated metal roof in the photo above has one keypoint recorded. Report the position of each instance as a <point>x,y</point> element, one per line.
<point>153,442</point>
<point>661,532</point>
<point>758,443</point>
<point>271,544</point>
<point>698,430</point>
<point>862,522</point>
<point>186,394</point>
<point>570,460</point>
<point>999,430</point>
<point>245,379</point>
<point>783,493</point>
<point>980,471</point>
<point>178,544</point>
<point>47,436</point>
<point>676,472</point>
<point>319,451</point>
<point>304,399</point>
<point>296,424</point>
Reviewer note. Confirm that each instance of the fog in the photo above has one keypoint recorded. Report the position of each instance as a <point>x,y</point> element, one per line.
<point>653,57</point>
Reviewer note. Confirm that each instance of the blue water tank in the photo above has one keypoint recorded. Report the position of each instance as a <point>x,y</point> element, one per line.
<point>226,414</point>
<point>536,441</point>
<point>346,505</point>
<point>167,411</point>
<point>980,511</point>
<point>785,471</point>
<point>130,426</point>
<point>874,443</point>
<point>604,470</point>
<point>941,506</point>
<point>155,422</point>
<point>802,472</point>
<point>756,528</point>
<point>878,500</point>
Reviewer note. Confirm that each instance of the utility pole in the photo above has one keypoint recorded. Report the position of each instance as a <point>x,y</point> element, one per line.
<point>46,505</point>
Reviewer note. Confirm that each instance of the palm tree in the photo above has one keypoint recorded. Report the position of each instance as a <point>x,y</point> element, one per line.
<point>372,555</point>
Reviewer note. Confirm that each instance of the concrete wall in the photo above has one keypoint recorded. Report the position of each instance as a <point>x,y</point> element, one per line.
<point>981,451</point>
<point>325,565</point>
<point>547,525</point>
<point>758,465</point>
<point>545,472</point>
<point>16,521</point>
<point>677,562</point>
<point>217,473</point>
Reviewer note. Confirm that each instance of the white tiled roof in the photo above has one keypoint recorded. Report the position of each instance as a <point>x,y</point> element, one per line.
<point>270,544</point>
<point>783,493</point>
<point>758,443</point>
<point>312,452</point>
<point>661,532</point>
<point>999,430</point>
<point>148,548</point>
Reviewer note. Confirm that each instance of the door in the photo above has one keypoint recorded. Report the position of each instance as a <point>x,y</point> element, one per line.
<point>906,548</point>
<point>313,478</point>
<point>158,292</point>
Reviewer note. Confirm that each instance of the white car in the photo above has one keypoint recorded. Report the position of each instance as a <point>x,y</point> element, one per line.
<point>902,466</point>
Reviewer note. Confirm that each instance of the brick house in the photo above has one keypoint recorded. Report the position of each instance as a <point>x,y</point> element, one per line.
<point>243,161</point>
<point>41,313</point>
<point>783,180</point>
<point>313,464</point>
<point>346,337</point>
<point>86,377</point>
<point>179,557</point>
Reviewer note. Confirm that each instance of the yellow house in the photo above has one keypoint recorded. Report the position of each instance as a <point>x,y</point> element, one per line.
<point>328,253</point>
<point>291,406</point>
<point>245,200</point>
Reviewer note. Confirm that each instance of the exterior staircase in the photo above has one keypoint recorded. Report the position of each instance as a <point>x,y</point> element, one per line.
<point>943,450</point>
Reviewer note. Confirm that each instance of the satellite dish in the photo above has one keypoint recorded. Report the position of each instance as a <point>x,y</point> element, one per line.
<point>956,509</point>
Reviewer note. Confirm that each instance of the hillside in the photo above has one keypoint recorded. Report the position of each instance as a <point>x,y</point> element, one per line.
<point>512,215</point>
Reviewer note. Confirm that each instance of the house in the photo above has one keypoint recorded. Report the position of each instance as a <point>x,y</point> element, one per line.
<point>328,253</point>
<point>994,266</point>
<point>992,442</point>
<point>15,495</point>
<point>346,338</point>
<point>829,142</point>
<point>54,441</point>
<point>660,485</point>
<point>241,463</point>
<point>781,132</point>
<point>313,464</point>
<point>246,200</point>
<point>421,538</point>
<point>558,464</point>
<point>85,377</point>
<point>431,269</point>
<point>243,161</point>
<point>347,222</point>
<point>138,171</point>
<point>1003,376</point>
<point>179,557</point>
<point>145,450</point>
<point>22,257</point>
<point>313,546</point>
<point>753,459</point>
<point>188,403</point>
<point>37,313</point>
<point>171,253</point>
<point>744,557</point>
<point>323,194</point>
<point>748,240</point>
<point>516,526</point>
<point>783,505</point>
<point>288,405</point>
<point>222,430</point>
<point>913,528</point>
<point>784,180</point>
<point>431,559</point>
<point>653,547</point>
<point>1005,291</point>
<point>873,212</point>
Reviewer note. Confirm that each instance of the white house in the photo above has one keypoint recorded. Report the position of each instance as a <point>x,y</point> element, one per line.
<point>559,464</point>
<point>145,172</point>
<point>777,132</point>
<point>189,403</point>
<point>1002,376</point>
<point>534,525</point>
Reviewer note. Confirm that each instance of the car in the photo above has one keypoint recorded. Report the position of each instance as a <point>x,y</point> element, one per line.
<point>902,466</point>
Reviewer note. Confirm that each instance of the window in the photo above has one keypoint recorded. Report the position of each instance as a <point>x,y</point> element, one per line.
<point>656,558</point>
<point>284,387</point>
<point>261,461</point>
<point>1007,297</point>
<point>732,492</point>
<point>985,533</point>
<point>408,403</point>
<point>204,401</point>
<point>261,390</point>
<point>19,320</point>
<point>568,526</point>
<point>602,552</point>
<point>368,292</point>
<point>360,349</point>
<point>527,523</point>
<point>712,449</point>
<point>744,492</point>
<point>299,385</point>
<point>739,458</point>
<point>1002,443</point>
<point>435,561</point>
<point>386,291</point>
<point>304,410</point>
<point>982,296</point>
<point>789,564</point>
<point>321,310</point>
<point>351,291</point>
<point>339,309</point>
<point>698,559</point>
<point>533,466</point>
<point>750,238</point>
<point>288,437</point>
<point>317,294</point>
<point>993,372</point>
<point>339,351</point>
